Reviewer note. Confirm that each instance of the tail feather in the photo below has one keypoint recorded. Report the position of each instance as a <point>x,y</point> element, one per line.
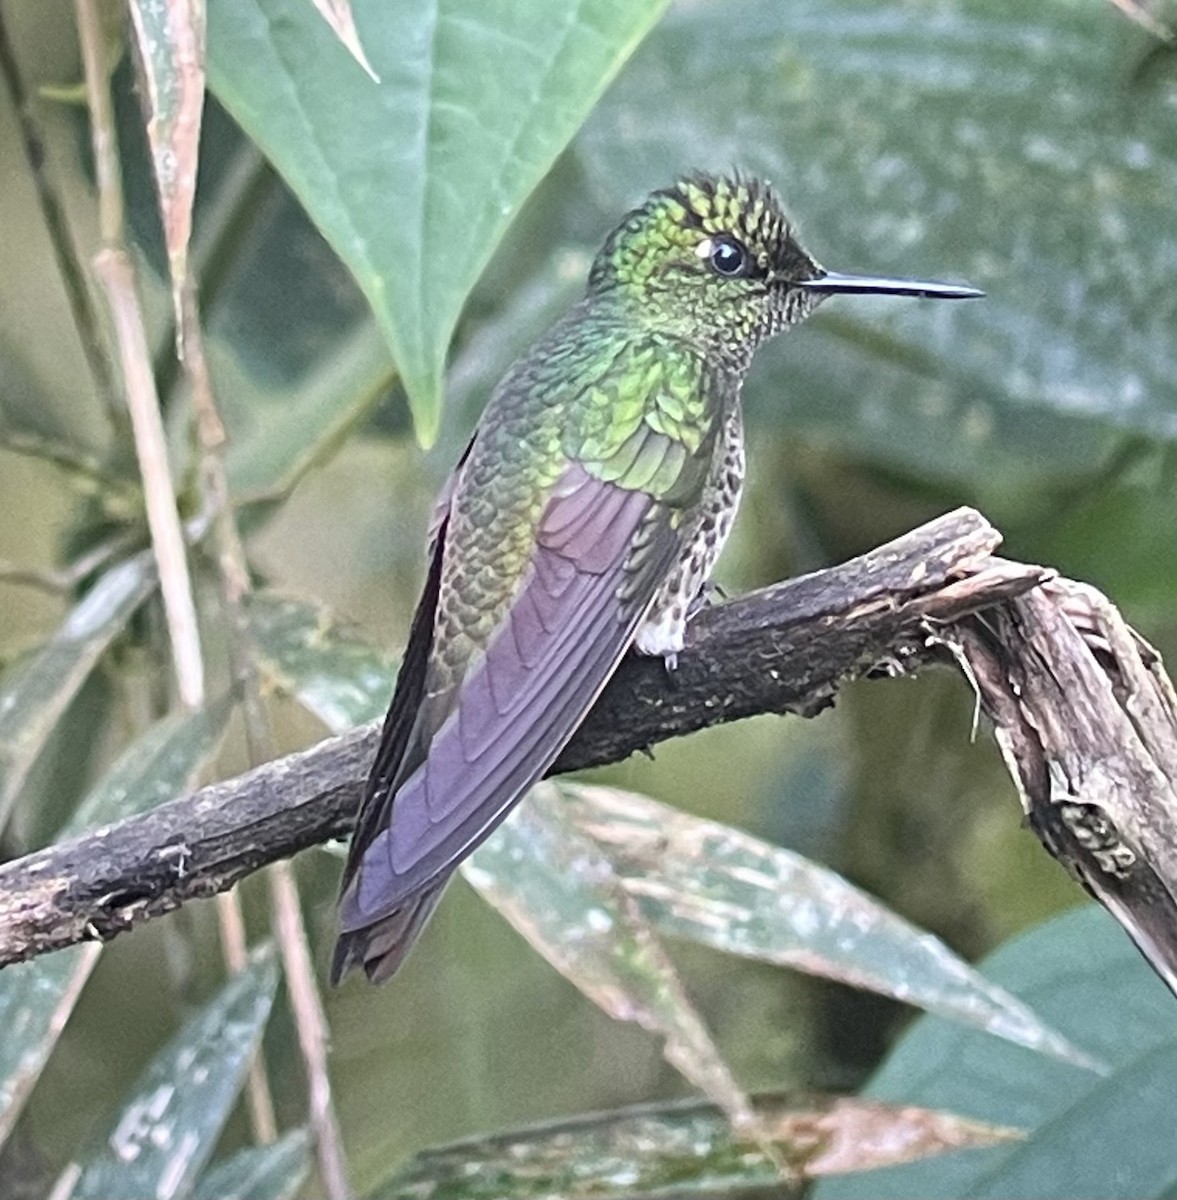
<point>381,947</point>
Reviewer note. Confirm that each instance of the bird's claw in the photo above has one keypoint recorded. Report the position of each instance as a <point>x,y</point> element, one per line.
<point>708,594</point>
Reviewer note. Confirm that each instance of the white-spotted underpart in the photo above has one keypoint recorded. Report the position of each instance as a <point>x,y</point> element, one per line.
<point>662,632</point>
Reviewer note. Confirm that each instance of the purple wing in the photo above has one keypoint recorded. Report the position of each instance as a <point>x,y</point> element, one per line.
<point>437,792</point>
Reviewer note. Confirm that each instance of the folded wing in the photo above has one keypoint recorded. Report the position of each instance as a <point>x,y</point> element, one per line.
<point>443,782</point>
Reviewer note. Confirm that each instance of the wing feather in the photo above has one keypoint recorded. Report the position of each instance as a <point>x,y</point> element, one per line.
<point>570,623</point>
<point>393,752</point>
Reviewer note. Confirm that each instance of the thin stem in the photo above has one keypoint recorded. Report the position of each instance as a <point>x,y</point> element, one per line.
<point>307,1006</point>
<point>257,1091</point>
<point>114,271</point>
<point>233,570</point>
<point>50,581</point>
<point>58,582</point>
<point>238,207</point>
<point>211,435</point>
<point>57,226</point>
<point>1135,11</point>
<point>65,455</point>
<point>64,1186</point>
<point>167,537</point>
<point>111,209</point>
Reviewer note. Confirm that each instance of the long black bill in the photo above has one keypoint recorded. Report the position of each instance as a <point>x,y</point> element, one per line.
<point>831,283</point>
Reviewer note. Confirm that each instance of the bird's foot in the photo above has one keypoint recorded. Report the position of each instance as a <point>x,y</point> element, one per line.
<point>662,638</point>
<point>709,594</point>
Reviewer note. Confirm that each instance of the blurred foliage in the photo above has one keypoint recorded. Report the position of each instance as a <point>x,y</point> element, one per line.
<point>1105,1134</point>
<point>356,239</point>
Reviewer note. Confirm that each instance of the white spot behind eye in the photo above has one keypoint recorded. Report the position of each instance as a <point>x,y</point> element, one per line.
<point>704,248</point>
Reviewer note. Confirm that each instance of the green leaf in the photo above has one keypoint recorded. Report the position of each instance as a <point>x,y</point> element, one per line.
<point>681,1150</point>
<point>340,679</point>
<point>295,355</point>
<point>338,15</point>
<point>169,39</point>
<point>990,140</point>
<point>1087,1135</point>
<point>714,884</point>
<point>168,1127</point>
<point>560,892</point>
<point>37,997</point>
<point>35,692</point>
<point>280,431</point>
<point>1083,533</point>
<point>273,1172</point>
<point>414,180</point>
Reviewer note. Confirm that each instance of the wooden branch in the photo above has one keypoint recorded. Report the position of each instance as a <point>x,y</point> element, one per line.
<point>935,594</point>
<point>786,648</point>
<point>1087,722</point>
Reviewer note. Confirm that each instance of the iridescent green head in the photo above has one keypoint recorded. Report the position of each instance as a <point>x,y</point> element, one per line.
<point>710,259</point>
<point>715,260</point>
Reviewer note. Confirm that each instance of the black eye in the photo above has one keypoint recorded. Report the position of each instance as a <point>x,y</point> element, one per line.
<point>728,257</point>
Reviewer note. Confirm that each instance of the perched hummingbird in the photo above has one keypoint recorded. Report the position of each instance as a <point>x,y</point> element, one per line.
<point>584,518</point>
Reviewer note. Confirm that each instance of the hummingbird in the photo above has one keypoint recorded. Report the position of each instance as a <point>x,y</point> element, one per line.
<point>583,520</point>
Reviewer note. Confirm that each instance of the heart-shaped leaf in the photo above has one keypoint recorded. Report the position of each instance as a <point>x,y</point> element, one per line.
<point>414,179</point>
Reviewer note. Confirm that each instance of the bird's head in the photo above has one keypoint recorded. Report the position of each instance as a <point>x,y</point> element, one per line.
<point>715,260</point>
